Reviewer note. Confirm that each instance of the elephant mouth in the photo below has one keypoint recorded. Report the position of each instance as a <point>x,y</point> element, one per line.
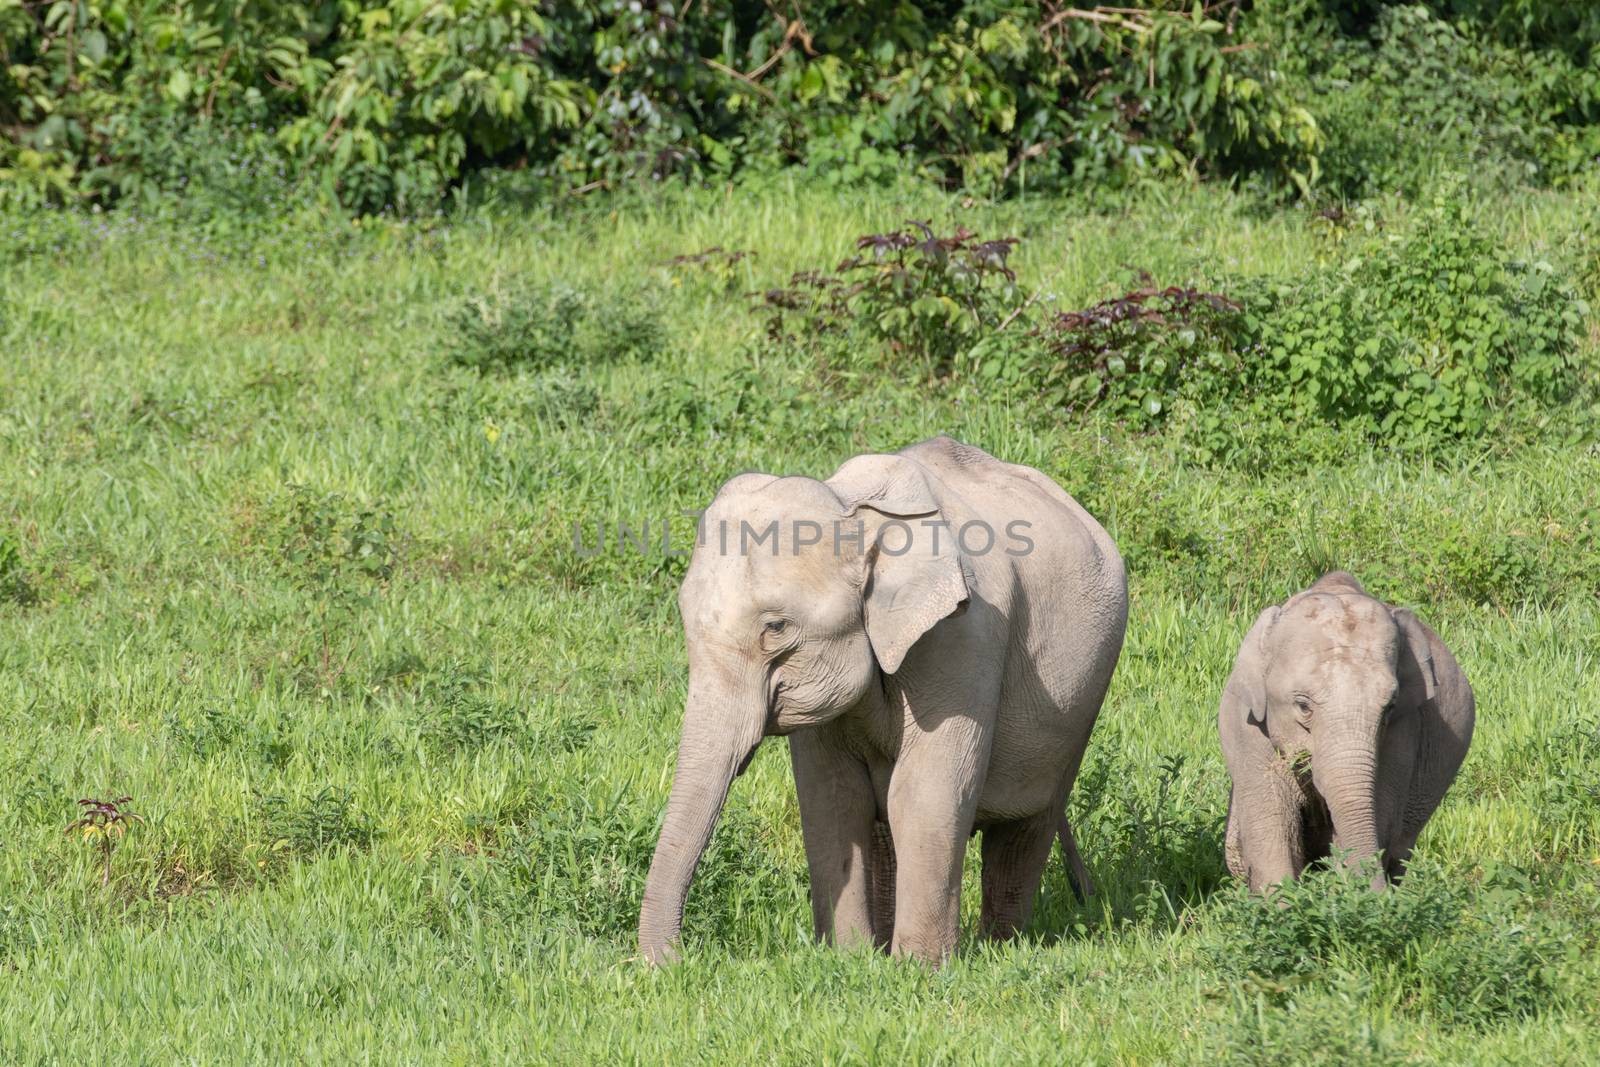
<point>1300,766</point>
<point>773,727</point>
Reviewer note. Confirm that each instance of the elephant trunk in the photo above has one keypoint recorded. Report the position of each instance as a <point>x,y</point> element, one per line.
<point>719,737</point>
<point>1345,773</point>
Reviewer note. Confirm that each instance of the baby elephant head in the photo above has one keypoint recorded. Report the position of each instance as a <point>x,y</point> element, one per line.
<point>1340,679</point>
<point>799,594</point>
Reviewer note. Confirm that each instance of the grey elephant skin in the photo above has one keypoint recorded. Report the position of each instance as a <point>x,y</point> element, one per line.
<point>931,685</point>
<point>1343,724</point>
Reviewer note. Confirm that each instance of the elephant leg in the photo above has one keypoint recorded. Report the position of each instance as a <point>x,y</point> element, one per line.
<point>837,814</point>
<point>1014,855</point>
<point>882,884</point>
<point>1394,866</point>
<point>932,804</point>
<point>1397,855</point>
<point>1077,870</point>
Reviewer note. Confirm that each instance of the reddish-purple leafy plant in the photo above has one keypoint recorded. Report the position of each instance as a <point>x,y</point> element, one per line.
<point>917,293</point>
<point>107,821</point>
<point>1129,353</point>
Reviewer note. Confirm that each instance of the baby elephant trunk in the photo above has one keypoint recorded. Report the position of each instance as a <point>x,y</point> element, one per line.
<point>1345,773</point>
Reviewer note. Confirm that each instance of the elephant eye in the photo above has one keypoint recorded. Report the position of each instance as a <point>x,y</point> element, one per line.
<point>1302,708</point>
<point>776,626</point>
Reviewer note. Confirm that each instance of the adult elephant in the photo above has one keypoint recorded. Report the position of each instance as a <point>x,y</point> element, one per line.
<point>934,631</point>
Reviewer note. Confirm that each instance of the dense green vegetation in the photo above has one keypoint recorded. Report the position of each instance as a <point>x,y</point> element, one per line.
<point>286,559</point>
<point>396,105</point>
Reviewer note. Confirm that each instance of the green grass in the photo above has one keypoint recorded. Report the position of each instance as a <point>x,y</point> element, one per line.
<point>429,843</point>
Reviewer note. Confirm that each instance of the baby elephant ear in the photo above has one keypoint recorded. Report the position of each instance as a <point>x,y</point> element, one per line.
<point>1246,691</point>
<point>915,575</point>
<point>1415,663</point>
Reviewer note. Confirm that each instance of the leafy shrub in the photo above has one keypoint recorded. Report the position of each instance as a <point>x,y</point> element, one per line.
<point>1463,956</point>
<point>538,328</point>
<point>1132,354</point>
<point>917,294</point>
<point>1420,337</point>
<point>379,105</point>
<point>552,325</point>
<point>338,549</point>
<point>1490,566</point>
<point>341,554</point>
<point>1327,916</point>
<point>1407,93</point>
<point>1415,338</point>
<point>1567,795</point>
<point>215,176</point>
<point>998,93</point>
<point>16,584</point>
<point>397,104</point>
<point>309,825</point>
<point>455,717</point>
<point>1150,843</point>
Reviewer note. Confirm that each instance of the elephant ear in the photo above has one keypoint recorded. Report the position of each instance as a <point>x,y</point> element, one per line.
<point>1418,680</point>
<point>1245,694</point>
<point>914,575</point>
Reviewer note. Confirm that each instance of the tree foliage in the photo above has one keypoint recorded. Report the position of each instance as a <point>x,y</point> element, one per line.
<point>388,104</point>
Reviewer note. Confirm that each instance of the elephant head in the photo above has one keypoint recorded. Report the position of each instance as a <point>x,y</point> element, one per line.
<point>1336,679</point>
<point>799,594</point>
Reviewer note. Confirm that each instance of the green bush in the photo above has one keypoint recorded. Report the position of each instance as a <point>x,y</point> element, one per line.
<point>1474,955</point>
<point>1152,844</point>
<point>379,104</point>
<point>457,718</point>
<point>1133,355</point>
<point>1568,794</point>
<point>544,326</point>
<point>1417,337</point>
<point>310,825</point>
<point>907,295</point>
<point>1414,338</point>
<point>1406,93</point>
<point>16,584</point>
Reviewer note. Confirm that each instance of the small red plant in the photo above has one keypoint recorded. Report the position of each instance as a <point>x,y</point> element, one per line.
<point>105,820</point>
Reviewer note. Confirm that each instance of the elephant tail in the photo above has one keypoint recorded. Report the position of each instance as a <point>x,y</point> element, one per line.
<point>1077,870</point>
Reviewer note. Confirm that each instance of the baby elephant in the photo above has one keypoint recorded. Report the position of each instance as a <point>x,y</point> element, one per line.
<point>1343,723</point>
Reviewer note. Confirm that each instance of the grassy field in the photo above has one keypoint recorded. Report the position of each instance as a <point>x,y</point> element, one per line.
<point>399,807</point>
